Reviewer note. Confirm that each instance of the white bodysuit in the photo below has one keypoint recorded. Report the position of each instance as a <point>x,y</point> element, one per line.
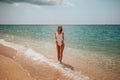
<point>59,38</point>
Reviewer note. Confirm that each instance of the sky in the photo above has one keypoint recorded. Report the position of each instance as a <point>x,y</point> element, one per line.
<point>59,11</point>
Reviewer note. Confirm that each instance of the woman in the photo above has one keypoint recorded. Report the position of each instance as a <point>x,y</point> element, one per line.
<point>59,37</point>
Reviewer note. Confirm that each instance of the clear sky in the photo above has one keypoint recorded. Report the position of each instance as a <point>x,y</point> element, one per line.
<point>59,11</point>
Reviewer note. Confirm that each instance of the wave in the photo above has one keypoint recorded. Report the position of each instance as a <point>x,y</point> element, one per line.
<point>31,54</point>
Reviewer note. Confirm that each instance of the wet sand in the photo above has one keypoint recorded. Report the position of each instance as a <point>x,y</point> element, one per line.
<point>15,69</point>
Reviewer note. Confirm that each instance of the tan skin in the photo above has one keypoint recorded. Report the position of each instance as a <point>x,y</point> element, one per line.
<point>60,48</point>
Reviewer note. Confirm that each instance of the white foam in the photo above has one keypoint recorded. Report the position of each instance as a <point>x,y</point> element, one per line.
<point>33,55</point>
<point>12,45</point>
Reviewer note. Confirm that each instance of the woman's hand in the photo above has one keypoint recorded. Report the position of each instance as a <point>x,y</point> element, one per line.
<point>56,42</point>
<point>62,42</point>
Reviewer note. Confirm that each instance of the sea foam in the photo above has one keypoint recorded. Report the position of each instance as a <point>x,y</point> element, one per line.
<point>35,56</point>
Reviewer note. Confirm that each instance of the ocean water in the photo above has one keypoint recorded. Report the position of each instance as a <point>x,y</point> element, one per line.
<point>97,45</point>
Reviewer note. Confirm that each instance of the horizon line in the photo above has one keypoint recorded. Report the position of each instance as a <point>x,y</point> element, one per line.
<point>61,24</point>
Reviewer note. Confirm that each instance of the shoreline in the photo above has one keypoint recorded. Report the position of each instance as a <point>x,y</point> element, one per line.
<point>43,70</point>
<point>23,71</point>
<point>34,71</point>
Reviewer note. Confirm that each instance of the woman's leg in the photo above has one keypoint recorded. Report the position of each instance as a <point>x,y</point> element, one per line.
<point>58,52</point>
<point>61,52</point>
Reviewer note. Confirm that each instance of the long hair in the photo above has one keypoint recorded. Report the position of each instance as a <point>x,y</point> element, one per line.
<point>60,26</point>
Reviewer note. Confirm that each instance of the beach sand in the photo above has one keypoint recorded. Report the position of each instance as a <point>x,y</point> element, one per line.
<point>9,69</point>
<point>14,69</point>
<point>20,68</point>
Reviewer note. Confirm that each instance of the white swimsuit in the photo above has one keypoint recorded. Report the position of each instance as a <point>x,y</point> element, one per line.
<point>59,38</point>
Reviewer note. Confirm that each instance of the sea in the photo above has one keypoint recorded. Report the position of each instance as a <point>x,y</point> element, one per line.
<point>94,45</point>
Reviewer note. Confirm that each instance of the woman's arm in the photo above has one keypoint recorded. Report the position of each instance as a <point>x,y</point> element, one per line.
<point>56,39</point>
<point>63,37</point>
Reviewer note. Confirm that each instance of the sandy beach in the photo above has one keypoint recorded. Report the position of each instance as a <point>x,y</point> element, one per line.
<point>14,66</point>
<point>15,69</point>
<point>9,69</point>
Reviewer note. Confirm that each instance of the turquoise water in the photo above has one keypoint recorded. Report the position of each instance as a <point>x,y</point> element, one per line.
<point>93,37</point>
<point>98,41</point>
